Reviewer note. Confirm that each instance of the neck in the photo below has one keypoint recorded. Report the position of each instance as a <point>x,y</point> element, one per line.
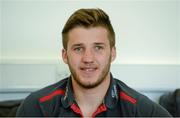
<point>90,99</point>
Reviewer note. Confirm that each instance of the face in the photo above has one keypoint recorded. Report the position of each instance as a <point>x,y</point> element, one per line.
<point>88,56</point>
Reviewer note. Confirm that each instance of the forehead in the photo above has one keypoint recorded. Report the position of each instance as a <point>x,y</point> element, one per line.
<point>88,35</point>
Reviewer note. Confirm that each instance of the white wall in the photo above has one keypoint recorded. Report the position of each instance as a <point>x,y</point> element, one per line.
<point>147,40</point>
<point>146,31</point>
<point>0,42</point>
<point>178,31</point>
<point>178,4</point>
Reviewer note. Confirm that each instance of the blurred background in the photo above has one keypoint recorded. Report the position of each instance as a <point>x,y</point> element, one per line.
<point>147,43</point>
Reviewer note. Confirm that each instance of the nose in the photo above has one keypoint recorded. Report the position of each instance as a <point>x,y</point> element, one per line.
<point>88,56</point>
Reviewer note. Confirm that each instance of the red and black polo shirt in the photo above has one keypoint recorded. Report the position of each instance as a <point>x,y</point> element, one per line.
<point>120,101</point>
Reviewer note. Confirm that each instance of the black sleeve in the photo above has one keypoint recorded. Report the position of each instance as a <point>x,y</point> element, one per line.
<point>159,111</point>
<point>147,108</point>
<point>29,107</point>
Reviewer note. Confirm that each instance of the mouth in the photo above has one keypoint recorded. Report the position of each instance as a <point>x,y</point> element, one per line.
<point>88,69</point>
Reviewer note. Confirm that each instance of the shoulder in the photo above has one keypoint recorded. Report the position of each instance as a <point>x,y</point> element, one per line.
<point>31,105</point>
<point>51,90</point>
<point>129,94</point>
<point>141,104</point>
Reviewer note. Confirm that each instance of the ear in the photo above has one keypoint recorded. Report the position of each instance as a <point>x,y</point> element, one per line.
<point>113,53</point>
<point>64,55</point>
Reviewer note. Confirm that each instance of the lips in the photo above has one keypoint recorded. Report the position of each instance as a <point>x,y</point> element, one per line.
<point>88,69</point>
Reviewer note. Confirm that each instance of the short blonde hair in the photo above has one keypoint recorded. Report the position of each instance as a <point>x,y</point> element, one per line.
<point>88,18</point>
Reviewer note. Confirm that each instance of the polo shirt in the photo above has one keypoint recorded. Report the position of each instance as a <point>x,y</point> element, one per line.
<point>120,101</point>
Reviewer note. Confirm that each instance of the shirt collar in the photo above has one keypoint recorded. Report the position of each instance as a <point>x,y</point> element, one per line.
<point>68,98</point>
<point>110,100</point>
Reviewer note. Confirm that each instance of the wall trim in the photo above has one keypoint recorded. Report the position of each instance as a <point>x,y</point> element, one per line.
<point>124,71</point>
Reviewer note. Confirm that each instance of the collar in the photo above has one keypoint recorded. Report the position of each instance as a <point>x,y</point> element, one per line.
<point>68,98</point>
<point>110,100</point>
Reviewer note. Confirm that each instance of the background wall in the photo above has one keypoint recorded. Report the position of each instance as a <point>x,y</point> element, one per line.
<point>0,42</point>
<point>146,31</point>
<point>147,40</point>
<point>179,39</point>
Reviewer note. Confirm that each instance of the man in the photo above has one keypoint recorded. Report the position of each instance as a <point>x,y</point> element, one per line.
<point>89,48</point>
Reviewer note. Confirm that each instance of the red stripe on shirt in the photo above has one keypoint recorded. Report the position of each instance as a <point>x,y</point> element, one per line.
<point>126,97</point>
<point>51,95</point>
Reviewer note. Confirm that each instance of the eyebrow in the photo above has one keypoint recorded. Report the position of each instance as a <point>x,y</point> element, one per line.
<point>81,44</point>
<point>100,44</point>
<point>77,45</point>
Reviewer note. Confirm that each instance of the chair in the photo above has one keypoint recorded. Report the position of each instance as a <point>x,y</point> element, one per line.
<point>171,102</point>
<point>9,108</point>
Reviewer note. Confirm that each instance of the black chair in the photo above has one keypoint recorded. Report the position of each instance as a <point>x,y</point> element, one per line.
<point>9,108</point>
<point>171,102</point>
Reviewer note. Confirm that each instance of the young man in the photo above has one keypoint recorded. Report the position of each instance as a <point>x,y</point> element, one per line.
<point>89,48</point>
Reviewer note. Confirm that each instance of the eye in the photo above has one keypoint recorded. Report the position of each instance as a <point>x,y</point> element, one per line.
<point>99,48</point>
<point>78,49</point>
